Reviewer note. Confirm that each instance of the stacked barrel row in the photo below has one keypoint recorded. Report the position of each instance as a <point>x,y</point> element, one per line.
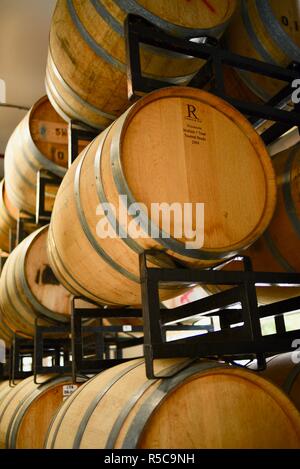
<point>205,405</point>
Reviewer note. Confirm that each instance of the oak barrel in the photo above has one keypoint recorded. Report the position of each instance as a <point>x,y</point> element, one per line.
<point>5,388</point>
<point>86,70</point>
<point>28,288</point>
<point>267,30</point>
<point>8,216</point>
<point>284,371</point>
<point>277,250</point>
<point>39,141</point>
<point>27,410</point>
<point>207,405</point>
<point>174,146</point>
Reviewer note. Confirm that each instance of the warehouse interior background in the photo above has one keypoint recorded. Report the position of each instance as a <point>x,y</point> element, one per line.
<point>24,33</point>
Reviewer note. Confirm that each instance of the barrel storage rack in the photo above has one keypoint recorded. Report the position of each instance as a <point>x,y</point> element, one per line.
<point>108,336</point>
<point>245,340</point>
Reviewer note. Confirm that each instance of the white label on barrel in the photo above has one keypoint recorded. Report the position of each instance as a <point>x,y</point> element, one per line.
<point>127,328</point>
<point>68,389</point>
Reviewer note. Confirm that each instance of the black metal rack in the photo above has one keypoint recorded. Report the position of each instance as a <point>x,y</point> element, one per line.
<point>119,335</point>
<point>26,221</point>
<point>138,30</point>
<point>78,131</point>
<point>87,322</point>
<point>44,179</point>
<point>244,341</point>
<point>58,348</point>
<point>36,350</point>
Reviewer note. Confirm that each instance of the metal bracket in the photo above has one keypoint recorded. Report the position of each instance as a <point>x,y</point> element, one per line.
<point>78,131</point>
<point>43,179</point>
<point>101,358</point>
<point>20,348</point>
<point>56,347</point>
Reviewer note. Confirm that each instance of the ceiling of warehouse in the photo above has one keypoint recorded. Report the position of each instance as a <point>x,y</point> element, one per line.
<point>24,30</point>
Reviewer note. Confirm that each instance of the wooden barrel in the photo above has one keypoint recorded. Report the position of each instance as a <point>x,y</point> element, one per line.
<point>266,30</point>
<point>91,32</point>
<point>27,410</point>
<point>5,333</point>
<point>286,141</point>
<point>39,141</point>
<point>8,216</point>
<point>277,249</point>
<point>285,372</point>
<point>196,149</point>
<point>207,405</point>
<point>5,388</point>
<point>28,287</point>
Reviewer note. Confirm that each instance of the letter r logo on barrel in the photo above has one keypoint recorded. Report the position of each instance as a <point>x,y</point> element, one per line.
<point>191,112</point>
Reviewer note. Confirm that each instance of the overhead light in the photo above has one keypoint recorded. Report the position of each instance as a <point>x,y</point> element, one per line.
<point>2,91</point>
<point>2,351</point>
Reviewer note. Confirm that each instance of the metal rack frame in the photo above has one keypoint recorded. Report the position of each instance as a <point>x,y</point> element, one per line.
<point>56,347</point>
<point>44,178</point>
<point>42,216</point>
<point>229,343</point>
<point>78,131</point>
<point>37,349</point>
<point>138,30</point>
<point>101,359</point>
<point>20,348</point>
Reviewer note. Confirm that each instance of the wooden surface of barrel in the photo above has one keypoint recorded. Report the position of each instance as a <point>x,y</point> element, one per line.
<point>207,405</point>
<point>197,150</point>
<point>5,388</point>
<point>284,371</point>
<point>27,410</point>
<point>286,141</point>
<point>267,30</point>
<point>8,216</point>
<point>277,250</point>
<point>29,288</point>
<point>85,32</point>
<point>39,141</point>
